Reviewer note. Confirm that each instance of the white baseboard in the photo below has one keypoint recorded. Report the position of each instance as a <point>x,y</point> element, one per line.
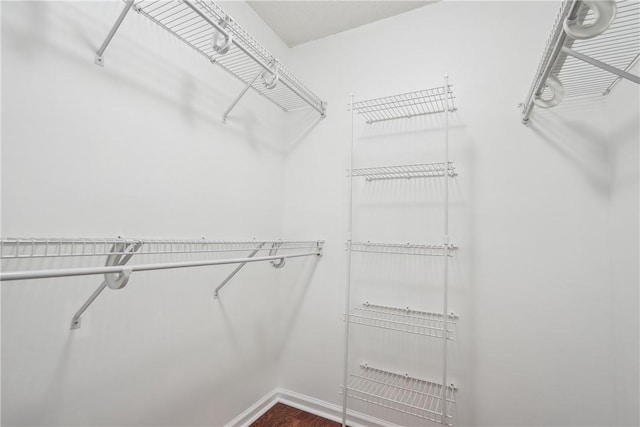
<point>305,403</point>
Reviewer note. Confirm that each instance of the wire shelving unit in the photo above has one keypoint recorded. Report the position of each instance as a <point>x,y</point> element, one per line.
<point>425,170</point>
<point>589,61</point>
<point>406,105</point>
<point>119,251</point>
<point>210,31</point>
<point>420,398</point>
<point>403,248</point>
<point>400,392</point>
<point>403,320</point>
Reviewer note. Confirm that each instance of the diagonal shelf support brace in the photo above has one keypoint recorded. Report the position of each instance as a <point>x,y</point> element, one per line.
<point>235,271</point>
<point>239,97</point>
<point>599,64</point>
<point>127,7</point>
<point>75,320</point>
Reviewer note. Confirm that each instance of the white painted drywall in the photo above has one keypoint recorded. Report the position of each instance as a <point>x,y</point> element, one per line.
<point>622,109</point>
<point>137,149</point>
<point>530,210</point>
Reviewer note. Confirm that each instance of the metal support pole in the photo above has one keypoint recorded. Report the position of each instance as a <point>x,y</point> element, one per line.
<point>445,307</point>
<point>345,376</point>
<point>233,273</point>
<point>75,320</point>
<point>99,60</point>
<point>602,65</point>
<point>235,102</point>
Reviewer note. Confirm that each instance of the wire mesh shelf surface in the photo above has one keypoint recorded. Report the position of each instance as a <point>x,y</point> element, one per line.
<point>188,26</point>
<point>402,248</point>
<point>618,46</point>
<point>402,393</point>
<point>425,170</point>
<point>12,248</point>
<point>406,105</point>
<point>403,320</point>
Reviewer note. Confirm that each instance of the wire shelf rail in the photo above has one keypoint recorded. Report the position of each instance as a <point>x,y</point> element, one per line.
<point>424,170</point>
<point>581,66</point>
<point>403,319</point>
<point>406,105</point>
<point>402,393</point>
<point>11,248</point>
<point>119,252</point>
<point>403,248</point>
<point>211,32</point>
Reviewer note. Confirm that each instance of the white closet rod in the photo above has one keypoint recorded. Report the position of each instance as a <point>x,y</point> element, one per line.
<point>88,271</point>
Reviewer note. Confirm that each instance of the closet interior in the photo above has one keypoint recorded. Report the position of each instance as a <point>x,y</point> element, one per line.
<point>295,212</point>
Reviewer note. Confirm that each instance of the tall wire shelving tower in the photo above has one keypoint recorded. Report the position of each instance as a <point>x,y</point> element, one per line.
<point>405,394</point>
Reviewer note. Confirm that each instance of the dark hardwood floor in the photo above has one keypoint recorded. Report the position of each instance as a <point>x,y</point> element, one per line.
<point>281,415</point>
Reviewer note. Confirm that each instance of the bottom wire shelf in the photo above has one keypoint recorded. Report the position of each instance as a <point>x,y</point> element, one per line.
<point>402,393</point>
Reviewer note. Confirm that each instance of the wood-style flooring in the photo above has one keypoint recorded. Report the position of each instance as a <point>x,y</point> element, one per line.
<point>281,415</point>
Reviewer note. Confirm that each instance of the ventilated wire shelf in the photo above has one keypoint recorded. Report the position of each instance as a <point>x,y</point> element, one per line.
<point>402,393</point>
<point>406,105</point>
<point>618,46</point>
<point>188,26</point>
<point>401,248</point>
<point>403,320</point>
<point>425,170</point>
<point>11,248</point>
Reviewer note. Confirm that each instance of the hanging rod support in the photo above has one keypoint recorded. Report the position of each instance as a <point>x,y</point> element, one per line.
<point>238,268</point>
<point>75,320</point>
<point>599,64</point>
<point>127,7</point>
<point>235,102</point>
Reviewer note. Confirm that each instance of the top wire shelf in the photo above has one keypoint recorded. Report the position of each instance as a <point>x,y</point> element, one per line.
<point>587,53</point>
<point>12,248</point>
<point>189,22</point>
<point>406,105</point>
<point>619,47</point>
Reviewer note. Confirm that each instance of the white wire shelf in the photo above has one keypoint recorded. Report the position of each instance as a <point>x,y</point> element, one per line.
<point>424,170</point>
<point>406,105</point>
<point>402,393</point>
<point>573,68</point>
<point>184,20</point>
<point>404,320</point>
<point>11,248</point>
<point>402,248</point>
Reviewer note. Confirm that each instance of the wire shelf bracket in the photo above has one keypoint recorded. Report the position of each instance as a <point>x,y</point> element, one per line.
<point>119,252</point>
<point>593,45</point>
<point>403,393</point>
<point>211,32</point>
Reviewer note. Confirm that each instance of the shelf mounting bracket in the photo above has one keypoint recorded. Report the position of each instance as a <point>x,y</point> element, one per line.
<point>602,65</point>
<point>235,271</point>
<point>127,7</point>
<point>75,320</point>
<point>235,102</point>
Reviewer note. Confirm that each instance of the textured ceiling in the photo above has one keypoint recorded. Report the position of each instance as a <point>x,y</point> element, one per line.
<point>297,22</point>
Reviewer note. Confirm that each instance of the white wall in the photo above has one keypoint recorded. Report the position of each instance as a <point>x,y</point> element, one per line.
<point>532,280</point>
<point>624,122</point>
<point>137,149</point>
